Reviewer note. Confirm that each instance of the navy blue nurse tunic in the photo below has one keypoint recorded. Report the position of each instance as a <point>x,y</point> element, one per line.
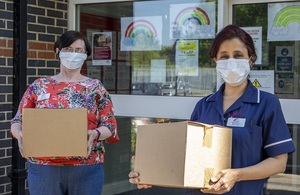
<point>259,131</point>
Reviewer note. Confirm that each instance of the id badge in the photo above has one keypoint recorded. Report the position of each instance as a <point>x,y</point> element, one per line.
<point>236,122</point>
<point>44,96</point>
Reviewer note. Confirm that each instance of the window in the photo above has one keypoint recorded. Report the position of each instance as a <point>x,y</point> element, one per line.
<point>152,44</point>
<point>276,55</point>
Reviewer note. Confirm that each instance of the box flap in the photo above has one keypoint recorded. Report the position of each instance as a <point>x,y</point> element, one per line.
<point>206,125</point>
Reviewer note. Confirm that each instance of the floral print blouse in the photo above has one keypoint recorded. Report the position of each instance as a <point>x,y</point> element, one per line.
<point>89,94</point>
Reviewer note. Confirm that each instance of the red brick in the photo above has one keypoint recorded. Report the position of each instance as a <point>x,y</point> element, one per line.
<point>32,54</point>
<point>50,47</point>
<point>2,43</point>
<point>37,46</point>
<point>46,55</point>
<point>6,52</point>
<point>10,43</point>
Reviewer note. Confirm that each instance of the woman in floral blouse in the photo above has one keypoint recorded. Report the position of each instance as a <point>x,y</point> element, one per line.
<point>70,89</point>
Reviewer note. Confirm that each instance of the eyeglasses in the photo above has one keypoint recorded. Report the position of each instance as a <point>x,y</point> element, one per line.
<point>71,49</point>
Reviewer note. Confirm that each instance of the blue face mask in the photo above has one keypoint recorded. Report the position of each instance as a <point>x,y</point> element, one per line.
<point>233,71</point>
<point>72,60</point>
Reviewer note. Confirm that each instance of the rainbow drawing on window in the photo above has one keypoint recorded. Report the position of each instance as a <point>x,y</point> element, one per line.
<point>141,34</point>
<point>140,27</point>
<point>284,18</point>
<point>195,15</point>
<point>192,21</point>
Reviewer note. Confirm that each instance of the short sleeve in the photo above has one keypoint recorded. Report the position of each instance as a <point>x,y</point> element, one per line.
<point>27,101</point>
<point>276,135</point>
<point>106,114</point>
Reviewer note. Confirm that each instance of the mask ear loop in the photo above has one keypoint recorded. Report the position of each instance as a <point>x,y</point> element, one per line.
<point>251,65</point>
<point>253,59</point>
<point>251,62</point>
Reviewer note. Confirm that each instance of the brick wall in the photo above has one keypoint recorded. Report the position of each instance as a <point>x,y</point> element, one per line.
<point>46,21</point>
<point>6,80</point>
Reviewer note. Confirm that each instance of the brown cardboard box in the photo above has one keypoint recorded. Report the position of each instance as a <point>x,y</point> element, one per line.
<point>54,132</point>
<point>181,154</point>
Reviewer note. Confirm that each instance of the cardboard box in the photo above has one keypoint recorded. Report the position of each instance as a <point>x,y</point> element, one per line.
<point>54,132</point>
<point>181,154</point>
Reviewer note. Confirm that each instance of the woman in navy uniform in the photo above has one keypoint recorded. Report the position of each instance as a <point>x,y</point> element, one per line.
<point>261,139</point>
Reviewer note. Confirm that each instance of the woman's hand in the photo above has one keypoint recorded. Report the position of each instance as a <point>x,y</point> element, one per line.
<point>92,136</point>
<point>133,178</point>
<point>16,130</point>
<point>223,181</point>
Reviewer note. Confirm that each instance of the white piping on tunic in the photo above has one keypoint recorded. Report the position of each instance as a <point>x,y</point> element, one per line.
<point>276,143</point>
<point>258,95</point>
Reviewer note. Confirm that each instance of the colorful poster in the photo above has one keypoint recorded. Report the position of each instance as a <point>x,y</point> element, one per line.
<point>283,21</point>
<point>256,34</point>
<point>187,58</point>
<point>193,21</point>
<point>102,48</point>
<point>114,44</point>
<point>141,33</point>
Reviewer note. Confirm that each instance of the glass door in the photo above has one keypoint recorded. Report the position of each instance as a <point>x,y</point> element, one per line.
<point>271,24</point>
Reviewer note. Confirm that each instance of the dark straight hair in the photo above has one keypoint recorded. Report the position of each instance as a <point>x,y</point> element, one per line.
<point>69,37</point>
<point>231,32</point>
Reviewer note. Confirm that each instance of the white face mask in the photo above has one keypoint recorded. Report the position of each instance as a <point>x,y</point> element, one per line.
<point>233,71</point>
<point>72,60</point>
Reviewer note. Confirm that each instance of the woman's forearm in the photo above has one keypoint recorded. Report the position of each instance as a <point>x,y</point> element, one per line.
<point>264,169</point>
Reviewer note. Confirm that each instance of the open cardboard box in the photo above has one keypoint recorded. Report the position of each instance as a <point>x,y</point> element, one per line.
<point>181,154</point>
<point>54,132</point>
